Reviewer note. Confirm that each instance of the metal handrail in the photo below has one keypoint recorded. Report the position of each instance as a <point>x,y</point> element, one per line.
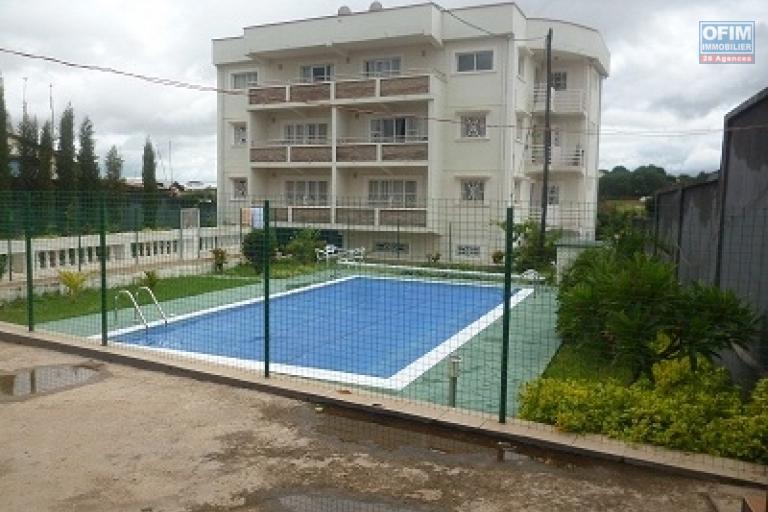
<point>137,309</point>
<point>154,299</point>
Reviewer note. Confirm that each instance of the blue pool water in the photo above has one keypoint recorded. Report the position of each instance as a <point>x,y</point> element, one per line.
<point>361,326</point>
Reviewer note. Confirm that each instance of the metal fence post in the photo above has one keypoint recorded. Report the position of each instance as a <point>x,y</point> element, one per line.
<point>508,228</point>
<point>103,270</point>
<point>30,274</point>
<point>267,250</point>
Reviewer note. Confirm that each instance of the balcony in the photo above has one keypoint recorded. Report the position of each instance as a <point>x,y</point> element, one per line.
<point>566,101</point>
<point>560,159</point>
<point>407,86</point>
<point>349,152</point>
<point>412,217</point>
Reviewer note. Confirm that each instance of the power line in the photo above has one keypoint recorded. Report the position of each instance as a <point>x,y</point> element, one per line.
<point>485,30</point>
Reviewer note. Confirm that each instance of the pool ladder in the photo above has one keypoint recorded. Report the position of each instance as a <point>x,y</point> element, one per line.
<point>137,310</point>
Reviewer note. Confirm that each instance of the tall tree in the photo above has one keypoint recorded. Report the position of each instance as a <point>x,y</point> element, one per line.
<point>29,165</point>
<point>88,174</point>
<point>5,168</point>
<point>66,172</point>
<point>46,205</point>
<point>113,164</point>
<point>149,179</point>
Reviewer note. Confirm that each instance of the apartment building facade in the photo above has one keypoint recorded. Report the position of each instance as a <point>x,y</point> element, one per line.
<point>395,118</point>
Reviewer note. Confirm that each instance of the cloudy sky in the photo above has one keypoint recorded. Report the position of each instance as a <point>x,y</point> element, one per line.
<point>656,82</point>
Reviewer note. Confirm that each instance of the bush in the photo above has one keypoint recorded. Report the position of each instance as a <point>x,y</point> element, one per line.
<point>3,264</point>
<point>74,282</point>
<point>497,257</point>
<point>527,254</point>
<point>254,244</point>
<point>219,259</point>
<point>303,246</point>
<point>696,411</point>
<point>150,279</point>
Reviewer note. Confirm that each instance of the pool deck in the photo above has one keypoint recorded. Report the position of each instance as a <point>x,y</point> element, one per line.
<point>515,431</point>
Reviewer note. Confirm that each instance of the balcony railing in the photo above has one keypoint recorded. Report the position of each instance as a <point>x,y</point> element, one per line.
<point>562,101</point>
<point>414,149</point>
<point>559,158</point>
<point>351,214</point>
<point>411,83</point>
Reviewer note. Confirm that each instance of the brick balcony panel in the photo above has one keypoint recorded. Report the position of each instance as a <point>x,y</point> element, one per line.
<point>311,92</point>
<point>312,215</point>
<point>356,153</point>
<point>356,89</point>
<point>269,154</point>
<point>266,95</point>
<point>404,85</point>
<point>311,154</point>
<point>355,216</point>
<point>404,152</point>
<point>407,218</point>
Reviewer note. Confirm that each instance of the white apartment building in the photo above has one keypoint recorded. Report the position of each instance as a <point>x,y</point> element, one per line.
<point>395,118</point>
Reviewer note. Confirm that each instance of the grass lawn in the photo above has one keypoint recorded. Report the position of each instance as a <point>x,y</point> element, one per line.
<point>580,362</point>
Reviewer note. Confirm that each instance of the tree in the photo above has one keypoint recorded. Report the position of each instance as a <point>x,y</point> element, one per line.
<point>114,185</point>
<point>149,180</point>
<point>29,167</point>
<point>5,168</point>
<point>66,171</point>
<point>46,205</point>
<point>88,174</point>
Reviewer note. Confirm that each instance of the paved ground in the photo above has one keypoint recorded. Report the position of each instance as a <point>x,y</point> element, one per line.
<point>147,442</point>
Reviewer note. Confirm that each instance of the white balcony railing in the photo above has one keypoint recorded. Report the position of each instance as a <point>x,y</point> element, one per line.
<point>559,158</point>
<point>562,101</point>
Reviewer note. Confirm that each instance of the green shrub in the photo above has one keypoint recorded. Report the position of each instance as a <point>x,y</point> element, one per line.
<point>696,411</point>
<point>219,259</point>
<point>528,254</point>
<point>254,244</point>
<point>3,264</point>
<point>497,257</point>
<point>303,246</point>
<point>150,279</point>
<point>73,281</point>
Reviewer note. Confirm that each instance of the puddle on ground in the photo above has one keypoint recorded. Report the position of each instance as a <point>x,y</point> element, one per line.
<point>427,441</point>
<point>31,382</point>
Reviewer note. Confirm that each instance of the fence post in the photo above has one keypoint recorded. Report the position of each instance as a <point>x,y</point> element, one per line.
<point>508,228</point>
<point>267,250</point>
<point>103,270</point>
<point>30,274</point>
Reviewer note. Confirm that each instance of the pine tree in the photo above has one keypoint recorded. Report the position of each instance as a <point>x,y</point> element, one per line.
<point>5,168</point>
<point>113,164</point>
<point>45,177</point>
<point>66,171</point>
<point>149,179</point>
<point>29,165</point>
<point>88,167</point>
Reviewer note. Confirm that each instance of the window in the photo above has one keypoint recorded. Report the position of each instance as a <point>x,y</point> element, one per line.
<point>519,128</point>
<point>520,64</point>
<point>306,133</point>
<point>473,126</point>
<point>474,61</point>
<point>383,67</point>
<point>239,134</point>
<point>468,251</point>
<point>391,247</point>
<point>239,188</point>
<point>560,80</point>
<point>553,195</point>
<point>392,192</point>
<point>242,80</point>
<point>472,190</point>
<point>317,73</point>
<point>306,193</point>
<point>397,129</point>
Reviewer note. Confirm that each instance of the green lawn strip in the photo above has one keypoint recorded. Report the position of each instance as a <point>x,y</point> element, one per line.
<point>581,362</point>
<point>54,306</point>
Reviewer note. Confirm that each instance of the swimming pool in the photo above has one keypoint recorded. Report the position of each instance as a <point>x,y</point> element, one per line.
<point>373,331</point>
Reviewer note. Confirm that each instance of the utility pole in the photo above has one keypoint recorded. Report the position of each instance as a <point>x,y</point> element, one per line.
<point>547,148</point>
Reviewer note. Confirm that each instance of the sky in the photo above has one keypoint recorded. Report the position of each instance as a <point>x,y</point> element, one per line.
<point>656,82</point>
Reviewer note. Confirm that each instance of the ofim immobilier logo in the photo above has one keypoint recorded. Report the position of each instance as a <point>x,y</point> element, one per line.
<point>726,42</point>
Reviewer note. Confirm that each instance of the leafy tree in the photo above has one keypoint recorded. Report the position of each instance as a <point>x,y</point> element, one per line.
<point>46,204</point>
<point>114,185</point>
<point>66,171</point>
<point>254,245</point>
<point>88,174</point>
<point>303,246</point>
<point>29,165</point>
<point>149,179</point>
<point>5,168</point>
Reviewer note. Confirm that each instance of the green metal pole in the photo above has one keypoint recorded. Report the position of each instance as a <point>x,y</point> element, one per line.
<point>103,251</point>
<point>267,250</point>
<point>30,274</point>
<point>506,317</point>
